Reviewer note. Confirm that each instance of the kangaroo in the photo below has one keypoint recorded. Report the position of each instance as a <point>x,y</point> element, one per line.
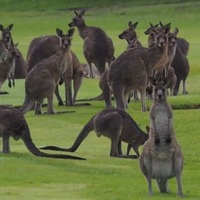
<point>20,63</point>
<point>114,124</point>
<point>181,67</point>
<point>182,43</point>
<point>43,47</point>
<point>13,124</point>
<point>3,52</point>
<point>41,81</point>
<point>130,34</point>
<point>178,59</point>
<point>98,47</point>
<point>8,65</point>
<point>130,71</point>
<point>161,158</point>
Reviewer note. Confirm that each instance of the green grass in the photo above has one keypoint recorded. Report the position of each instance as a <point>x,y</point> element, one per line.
<point>24,176</point>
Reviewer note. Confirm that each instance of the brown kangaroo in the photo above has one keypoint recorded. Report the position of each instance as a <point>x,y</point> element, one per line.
<point>42,79</point>
<point>20,63</point>
<point>130,34</point>
<point>3,51</point>
<point>161,158</point>
<point>114,124</point>
<point>13,124</point>
<point>130,71</point>
<point>7,67</point>
<point>43,47</point>
<point>98,47</point>
<point>179,62</point>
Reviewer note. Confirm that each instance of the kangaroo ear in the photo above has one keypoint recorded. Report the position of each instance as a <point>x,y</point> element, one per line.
<point>176,31</point>
<point>134,25</point>
<point>10,27</point>
<point>59,32</point>
<point>76,13</point>
<point>71,32</point>
<point>82,13</point>
<point>161,24</point>
<point>166,28</point>
<point>1,27</point>
<point>130,24</point>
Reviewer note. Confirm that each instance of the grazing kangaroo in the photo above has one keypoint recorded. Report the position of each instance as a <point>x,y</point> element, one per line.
<point>43,47</point>
<point>13,124</point>
<point>130,34</point>
<point>130,71</point>
<point>161,158</point>
<point>114,124</point>
<point>7,67</point>
<point>98,47</point>
<point>20,63</point>
<point>42,79</point>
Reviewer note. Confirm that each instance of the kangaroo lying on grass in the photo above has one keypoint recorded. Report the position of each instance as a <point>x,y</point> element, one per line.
<point>161,158</point>
<point>114,124</point>
<point>13,124</point>
<point>42,79</point>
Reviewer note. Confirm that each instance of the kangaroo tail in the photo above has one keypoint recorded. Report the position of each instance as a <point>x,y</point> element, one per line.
<point>82,135</point>
<point>28,104</point>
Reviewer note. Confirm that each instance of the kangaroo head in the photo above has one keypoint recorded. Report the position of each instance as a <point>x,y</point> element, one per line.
<point>78,20</point>
<point>13,51</point>
<point>6,34</point>
<point>159,87</point>
<point>173,38</point>
<point>65,39</point>
<point>129,33</point>
<point>158,34</point>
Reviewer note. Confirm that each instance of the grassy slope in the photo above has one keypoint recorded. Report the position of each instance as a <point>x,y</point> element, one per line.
<point>100,177</point>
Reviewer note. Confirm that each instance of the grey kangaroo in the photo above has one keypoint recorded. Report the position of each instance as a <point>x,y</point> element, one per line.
<point>42,79</point>
<point>7,66</point>
<point>130,71</point>
<point>98,47</point>
<point>130,34</point>
<point>161,158</point>
<point>114,124</point>
<point>20,63</point>
<point>43,47</point>
<point>13,124</point>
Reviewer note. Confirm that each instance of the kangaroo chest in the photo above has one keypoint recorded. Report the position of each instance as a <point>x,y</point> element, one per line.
<point>161,119</point>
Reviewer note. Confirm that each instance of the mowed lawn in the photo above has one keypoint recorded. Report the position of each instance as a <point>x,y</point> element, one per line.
<point>25,176</point>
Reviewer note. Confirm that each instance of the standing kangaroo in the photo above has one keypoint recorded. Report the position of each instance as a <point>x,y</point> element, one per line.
<point>20,64</point>
<point>98,47</point>
<point>43,47</point>
<point>130,34</point>
<point>114,124</point>
<point>130,71</point>
<point>161,158</point>
<point>13,124</point>
<point>42,79</point>
<point>7,67</point>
